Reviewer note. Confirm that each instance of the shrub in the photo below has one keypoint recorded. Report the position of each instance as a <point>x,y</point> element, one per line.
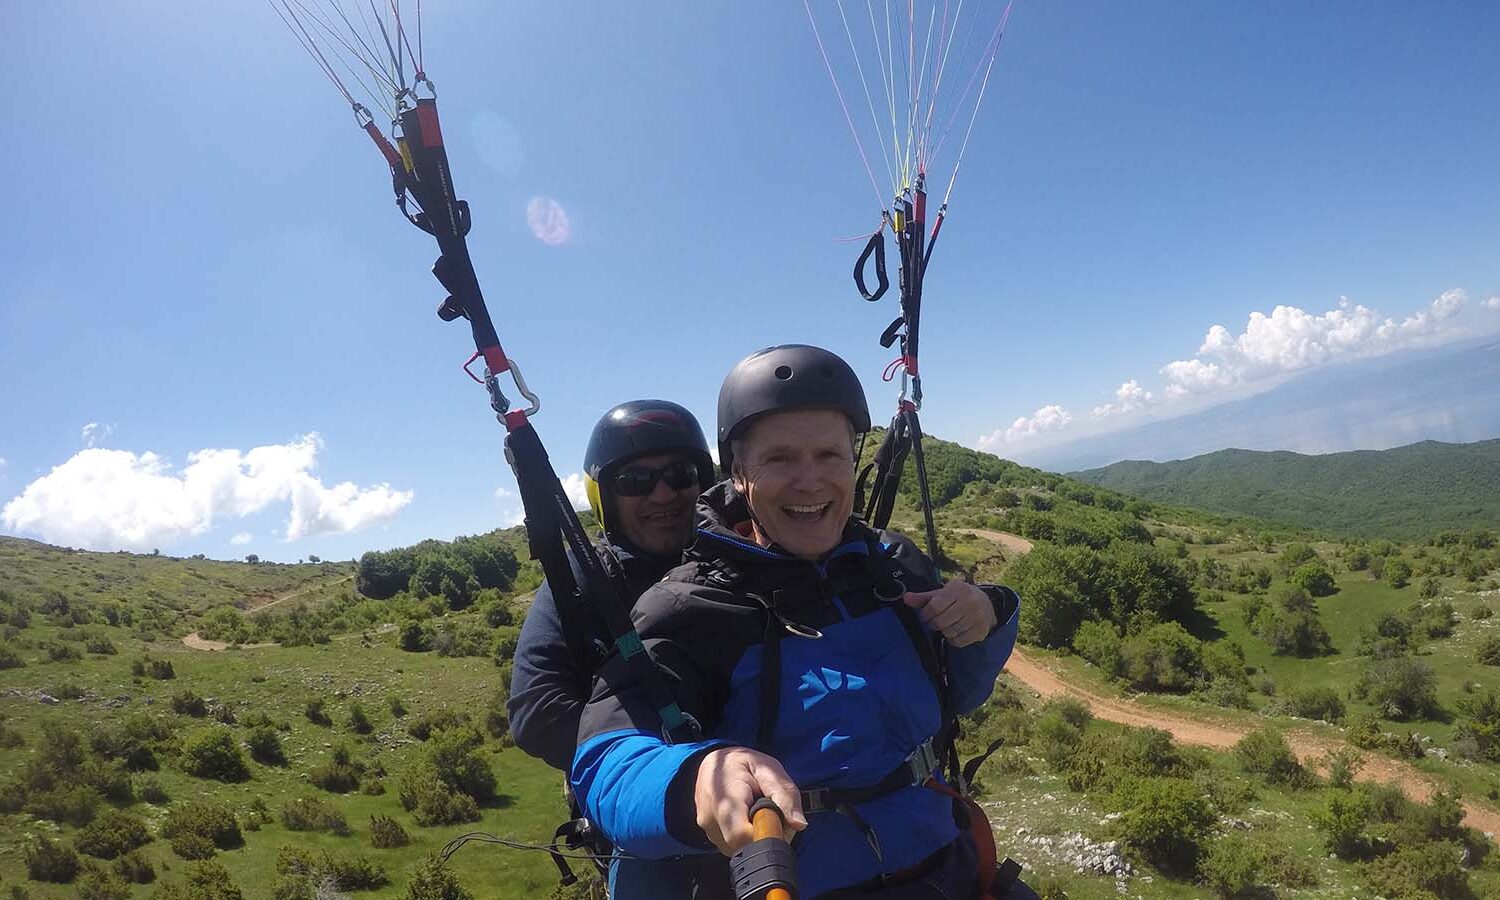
<point>160,669</point>
<point>1343,764</point>
<point>208,821</point>
<point>9,658</point>
<point>205,881</point>
<point>1341,820</point>
<point>1489,651</point>
<point>355,872</point>
<point>336,777</point>
<point>51,861</point>
<point>431,802</point>
<point>214,753</point>
<point>101,645</point>
<point>187,703</point>
<point>113,833</point>
<point>359,723</point>
<point>149,789</point>
<point>1481,611</point>
<point>1163,658</point>
<point>386,832</point>
<point>432,880</point>
<point>415,637</point>
<point>423,726</point>
<point>315,712</point>
<point>1231,866</point>
<point>1058,730</point>
<point>99,883</point>
<point>1311,702</point>
<point>74,804</point>
<point>313,814</point>
<point>135,868</point>
<point>1099,643</point>
<point>265,746</point>
<point>1265,752</point>
<point>1165,819</point>
<point>1420,870</point>
<point>398,707</point>
<point>1400,687</point>
<point>1397,572</point>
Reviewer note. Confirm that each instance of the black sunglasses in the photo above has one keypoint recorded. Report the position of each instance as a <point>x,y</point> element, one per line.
<point>639,481</point>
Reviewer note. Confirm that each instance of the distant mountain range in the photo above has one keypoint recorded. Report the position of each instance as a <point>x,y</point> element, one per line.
<point>1448,394</point>
<point>1404,493</point>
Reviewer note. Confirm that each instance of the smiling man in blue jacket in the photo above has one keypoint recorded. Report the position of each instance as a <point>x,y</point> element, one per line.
<point>800,641</point>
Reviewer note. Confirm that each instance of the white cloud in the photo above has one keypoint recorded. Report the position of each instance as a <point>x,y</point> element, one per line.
<point>548,221</point>
<point>1046,419</point>
<point>95,434</point>
<point>1291,340</point>
<point>1492,303</point>
<point>241,538</point>
<point>114,499</point>
<point>1129,397</point>
<point>573,486</point>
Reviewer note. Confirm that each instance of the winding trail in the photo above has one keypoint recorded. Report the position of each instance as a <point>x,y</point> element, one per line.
<point>195,641</point>
<point>1223,734</point>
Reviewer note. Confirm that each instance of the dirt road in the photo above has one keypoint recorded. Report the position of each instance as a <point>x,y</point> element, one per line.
<point>195,641</point>
<point>1221,735</point>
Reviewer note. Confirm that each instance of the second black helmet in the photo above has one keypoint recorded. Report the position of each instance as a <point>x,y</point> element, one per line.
<point>787,377</point>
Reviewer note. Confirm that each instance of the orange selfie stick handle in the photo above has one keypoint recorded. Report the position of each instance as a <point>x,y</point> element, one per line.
<point>762,870</point>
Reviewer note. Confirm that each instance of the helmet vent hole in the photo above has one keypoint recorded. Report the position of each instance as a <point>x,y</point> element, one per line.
<point>783,373</point>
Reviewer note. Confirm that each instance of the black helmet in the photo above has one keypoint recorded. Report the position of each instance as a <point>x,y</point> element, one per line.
<point>789,376</point>
<point>639,428</point>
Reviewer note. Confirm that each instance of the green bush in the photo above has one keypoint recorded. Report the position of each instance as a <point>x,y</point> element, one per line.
<point>1232,868</point>
<point>74,804</point>
<point>265,746</point>
<point>1265,752</point>
<point>313,814</point>
<point>135,868</point>
<point>149,789</point>
<point>1342,820</point>
<point>51,861</point>
<point>335,777</point>
<point>315,712</point>
<point>355,872</point>
<point>209,821</point>
<point>9,658</point>
<point>1481,611</point>
<point>1489,651</point>
<point>214,753</point>
<point>430,801</point>
<point>1058,730</point>
<point>398,707</point>
<point>1163,658</point>
<point>1420,870</point>
<point>57,651</point>
<point>1099,643</point>
<point>425,725</point>
<point>205,881</point>
<point>1166,820</point>
<point>112,833</point>
<point>1400,687</point>
<point>187,703</point>
<point>99,883</point>
<point>359,723</point>
<point>386,833</point>
<point>1314,578</point>
<point>1311,702</point>
<point>415,637</point>
<point>432,880</point>
<point>101,645</point>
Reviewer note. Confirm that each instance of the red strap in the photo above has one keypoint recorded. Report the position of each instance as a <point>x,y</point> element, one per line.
<point>389,152</point>
<point>427,117</point>
<point>909,363</point>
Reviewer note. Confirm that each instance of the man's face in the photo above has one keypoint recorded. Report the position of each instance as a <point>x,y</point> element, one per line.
<point>796,469</point>
<point>660,522</point>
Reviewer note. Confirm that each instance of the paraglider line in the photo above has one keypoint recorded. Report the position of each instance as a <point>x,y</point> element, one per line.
<point>847,118</point>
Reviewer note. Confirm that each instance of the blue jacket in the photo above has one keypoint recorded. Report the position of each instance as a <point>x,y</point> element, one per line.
<point>852,704</point>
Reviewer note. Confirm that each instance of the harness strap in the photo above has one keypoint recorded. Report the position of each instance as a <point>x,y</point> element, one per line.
<point>916,770</point>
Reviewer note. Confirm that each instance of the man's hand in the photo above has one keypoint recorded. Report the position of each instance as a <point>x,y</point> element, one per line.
<point>730,780</point>
<point>959,610</point>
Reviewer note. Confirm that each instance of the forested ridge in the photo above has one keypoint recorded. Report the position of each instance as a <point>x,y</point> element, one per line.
<point>1402,493</point>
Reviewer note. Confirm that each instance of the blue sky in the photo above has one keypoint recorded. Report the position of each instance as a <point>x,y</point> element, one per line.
<point>201,253</point>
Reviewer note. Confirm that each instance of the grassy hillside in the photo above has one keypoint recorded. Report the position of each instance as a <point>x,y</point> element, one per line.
<point>1404,493</point>
<point>334,716</point>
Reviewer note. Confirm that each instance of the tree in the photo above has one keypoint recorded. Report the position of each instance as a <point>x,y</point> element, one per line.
<point>434,881</point>
<point>1314,578</point>
<point>1398,573</point>
<point>214,753</point>
<point>1400,687</point>
<point>251,558</point>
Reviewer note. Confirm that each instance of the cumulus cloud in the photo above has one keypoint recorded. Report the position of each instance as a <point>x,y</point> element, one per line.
<point>1129,397</point>
<point>1270,348</point>
<point>1048,418</point>
<point>1492,303</point>
<point>117,499</point>
<point>241,538</point>
<point>1290,340</point>
<point>548,221</point>
<point>94,434</point>
<point>573,486</point>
